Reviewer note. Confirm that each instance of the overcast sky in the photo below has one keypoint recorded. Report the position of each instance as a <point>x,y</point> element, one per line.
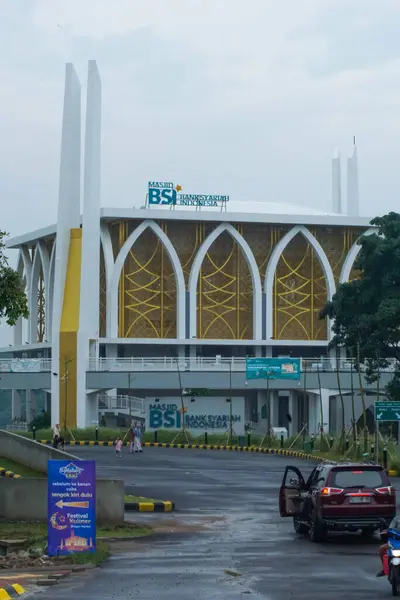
<point>239,97</point>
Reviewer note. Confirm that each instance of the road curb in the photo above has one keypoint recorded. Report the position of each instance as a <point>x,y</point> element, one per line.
<point>5,473</point>
<point>166,506</point>
<point>11,591</point>
<point>255,449</point>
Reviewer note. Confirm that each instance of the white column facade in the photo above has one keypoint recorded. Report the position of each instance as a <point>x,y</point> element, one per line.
<point>353,203</point>
<point>336,183</point>
<point>16,404</point>
<point>294,413</point>
<point>68,214</point>
<point>90,271</point>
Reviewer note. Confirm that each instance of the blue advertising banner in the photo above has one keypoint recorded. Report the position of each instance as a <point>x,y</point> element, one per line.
<point>273,368</point>
<point>71,525</point>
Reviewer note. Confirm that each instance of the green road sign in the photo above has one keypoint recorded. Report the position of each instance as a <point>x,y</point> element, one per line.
<point>387,411</point>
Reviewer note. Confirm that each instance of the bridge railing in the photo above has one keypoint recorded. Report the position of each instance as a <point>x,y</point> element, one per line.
<point>25,365</point>
<point>167,364</point>
<point>131,404</point>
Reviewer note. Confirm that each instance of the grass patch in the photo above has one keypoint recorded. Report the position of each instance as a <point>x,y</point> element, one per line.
<point>36,532</point>
<point>19,469</point>
<point>129,498</point>
<point>101,553</point>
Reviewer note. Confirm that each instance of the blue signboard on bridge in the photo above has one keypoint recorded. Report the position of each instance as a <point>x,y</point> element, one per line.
<point>273,368</point>
<point>71,526</point>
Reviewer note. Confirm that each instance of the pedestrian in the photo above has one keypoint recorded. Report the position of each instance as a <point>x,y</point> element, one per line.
<point>58,441</point>
<point>138,438</point>
<point>131,439</point>
<point>118,447</point>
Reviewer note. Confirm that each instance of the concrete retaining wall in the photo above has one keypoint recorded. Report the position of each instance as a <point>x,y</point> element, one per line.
<point>29,453</point>
<point>26,500</point>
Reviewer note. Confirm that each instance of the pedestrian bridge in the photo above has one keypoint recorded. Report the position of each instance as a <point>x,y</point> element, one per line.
<point>166,373</point>
<point>168,364</point>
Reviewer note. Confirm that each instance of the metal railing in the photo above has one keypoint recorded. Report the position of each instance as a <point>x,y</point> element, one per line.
<point>309,365</point>
<point>130,404</point>
<point>166,363</point>
<point>25,365</point>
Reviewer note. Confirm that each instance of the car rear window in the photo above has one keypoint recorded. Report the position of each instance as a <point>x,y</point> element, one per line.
<point>358,478</point>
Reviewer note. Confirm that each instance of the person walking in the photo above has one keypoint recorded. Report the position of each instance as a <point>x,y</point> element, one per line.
<point>57,439</point>
<point>138,437</point>
<point>118,447</point>
<point>131,439</point>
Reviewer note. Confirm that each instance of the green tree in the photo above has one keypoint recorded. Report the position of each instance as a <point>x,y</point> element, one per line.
<point>13,301</point>
<point>365,312</point>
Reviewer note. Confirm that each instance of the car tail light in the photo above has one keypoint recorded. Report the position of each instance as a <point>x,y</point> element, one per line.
<point>329,491</point>
<point>386,491</point>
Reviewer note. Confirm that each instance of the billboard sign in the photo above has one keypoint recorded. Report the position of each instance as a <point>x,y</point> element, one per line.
<point>273,368</point>
<point>166,193</point>
<point>210,414</point>
<point>71,525</point>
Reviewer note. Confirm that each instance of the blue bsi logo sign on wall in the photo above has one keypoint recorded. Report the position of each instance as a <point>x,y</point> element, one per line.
<point>167,193</point>
<point>211,414</point>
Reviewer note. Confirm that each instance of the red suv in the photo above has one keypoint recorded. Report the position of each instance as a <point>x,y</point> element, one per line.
<point>337,497</point>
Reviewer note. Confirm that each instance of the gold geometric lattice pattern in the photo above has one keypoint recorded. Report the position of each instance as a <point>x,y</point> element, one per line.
<point>41,308</point>
<point>224,293</point>
<point>103,295</point>
<point>336,243</point>
<point>262,239</point>
<point>299,293</point>
<point>186,238</point>
<point>147,290</point>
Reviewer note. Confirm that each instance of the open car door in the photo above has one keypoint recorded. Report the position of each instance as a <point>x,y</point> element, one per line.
<point>290,500</point>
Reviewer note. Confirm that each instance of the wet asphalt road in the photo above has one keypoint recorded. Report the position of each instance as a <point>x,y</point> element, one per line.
<point>227,519</point>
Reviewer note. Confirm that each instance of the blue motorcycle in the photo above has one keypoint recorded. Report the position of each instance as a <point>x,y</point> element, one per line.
<point>391,561</point>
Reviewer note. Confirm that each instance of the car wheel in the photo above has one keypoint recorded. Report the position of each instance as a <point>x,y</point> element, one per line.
<point>317,532</point>
<point>299,526</point>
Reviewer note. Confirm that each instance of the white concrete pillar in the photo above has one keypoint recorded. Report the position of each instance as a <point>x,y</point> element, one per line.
<point>90,269</point>
<point>261,407</point>
<point>47,401</point>
<point>353,206</point>
<point>325,409</point>
<point>313,418</point>
<point>92,414</point>
<point>258,351</point>
<point>294,413</point>
<point>16,404</point>
<point>68,215</point>
<point>324,398</point>
<point>268,351</point>
<point>336,183</point>
<point>274,407</point>
<point>31,405</point>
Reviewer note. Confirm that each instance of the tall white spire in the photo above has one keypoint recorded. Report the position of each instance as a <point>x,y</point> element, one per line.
<point>353,207</point>
<point>68,216</point>
<point>336,183</point>
<point>89,316</point>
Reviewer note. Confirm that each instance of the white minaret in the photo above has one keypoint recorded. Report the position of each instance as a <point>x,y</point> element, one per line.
<point>68,216</point>
<point>90,272</point>
<point>353,207</point>
<point>336,183</point>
